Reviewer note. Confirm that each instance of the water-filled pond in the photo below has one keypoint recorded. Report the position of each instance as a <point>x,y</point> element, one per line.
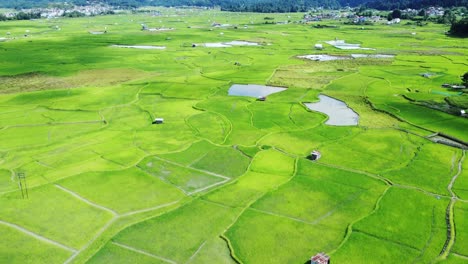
<point>253,90</point>
<point>341,44</point>
<point>228,44</point>
<point>325,57</point>
<point>139,47</point>
<point>373,56</point>
<point>339,114</point>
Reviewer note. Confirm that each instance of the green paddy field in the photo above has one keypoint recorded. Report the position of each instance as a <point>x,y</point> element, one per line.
<point>225,179</point>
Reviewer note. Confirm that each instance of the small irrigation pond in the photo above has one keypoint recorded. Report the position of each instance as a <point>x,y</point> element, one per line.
<point>140,47</point>
<point>253,90</point>
<point>325,57</point>
<point>227,44</point>
<point>341,44</point>
<point>339,114</point>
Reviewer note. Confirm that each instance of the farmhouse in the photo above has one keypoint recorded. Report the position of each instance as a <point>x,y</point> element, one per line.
<point>426,75</point>
<point>320,258</point>
<point>315,155</point>
<point>453,86</point>
<point>158,120</point>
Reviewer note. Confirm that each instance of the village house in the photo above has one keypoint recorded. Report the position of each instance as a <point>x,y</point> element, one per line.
<point>315,155</point>
<point>158,120</point>
<point>320,258</point>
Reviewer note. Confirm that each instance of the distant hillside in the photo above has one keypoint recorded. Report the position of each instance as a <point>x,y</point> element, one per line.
<point>250,5</point>
<point>415,4</point>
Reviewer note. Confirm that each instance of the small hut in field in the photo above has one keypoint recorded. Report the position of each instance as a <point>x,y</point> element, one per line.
<point>320,258</point>
<point>158,121</point>
<point>314,155</point>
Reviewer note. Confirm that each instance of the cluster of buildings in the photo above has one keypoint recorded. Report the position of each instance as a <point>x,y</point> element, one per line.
<point>435,11</point>
<point>52,12</point>
<point>353,17</point>
<point>326,15</point>
<point>430,11</point>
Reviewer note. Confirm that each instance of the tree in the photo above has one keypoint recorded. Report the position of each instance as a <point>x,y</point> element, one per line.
<point>448,18</point>
<point>396,13</point>
<point>464,78</point>
<point>460,28</point>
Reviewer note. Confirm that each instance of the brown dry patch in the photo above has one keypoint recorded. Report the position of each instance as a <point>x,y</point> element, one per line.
<point>89,78</point>
<point>316,75</point>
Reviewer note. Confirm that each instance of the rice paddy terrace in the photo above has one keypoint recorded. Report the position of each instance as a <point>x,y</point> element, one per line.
<point>221,178</point>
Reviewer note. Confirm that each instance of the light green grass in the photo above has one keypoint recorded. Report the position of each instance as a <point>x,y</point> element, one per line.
<point>364,248</point>
<point>186,179</point>
<point>210,126</point>
<point>278,235</point>
<point>274,162</point>
<point>461,216</point>
<point>226,161</point>
<point>213,251</point>
<point>17,247</point>
<point>6,181</point>
<point>70,221</point>
<point>117,189</point>
<point>112,253</point>
<point>417,223</point>
<point>302,142</point>
<point>432,168</point>
<point>198,222</point>
<point>461,184</point>
<point>248,188</point>
<point>320,194</point>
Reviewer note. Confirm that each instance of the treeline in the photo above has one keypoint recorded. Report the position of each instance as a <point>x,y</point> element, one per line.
<point>282,6</point>
<point>264,6</point>
<point>460,29</point>
<point>28,4</point>
<point>247,5</point>
<point>413,4</point>
<point>21,16</point>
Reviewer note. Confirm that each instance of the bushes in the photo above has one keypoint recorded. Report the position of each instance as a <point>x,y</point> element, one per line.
<point>460,29</point>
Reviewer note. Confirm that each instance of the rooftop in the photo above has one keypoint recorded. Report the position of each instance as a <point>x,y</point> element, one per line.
<point>320,258</point>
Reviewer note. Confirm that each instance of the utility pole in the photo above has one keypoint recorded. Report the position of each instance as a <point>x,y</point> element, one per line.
<point>22,184</point>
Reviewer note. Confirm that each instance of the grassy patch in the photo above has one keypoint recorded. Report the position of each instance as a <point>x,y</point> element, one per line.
<point>431,168</point>
<point>113,253</point>
<point>274,162</point>
<point>199,221</point>
<point>17,247</point>
<point>461,223</point>
<point>372,150</point>
<point>188,180</point>
<point>461,184</point>
<point>116,189</point>
<point>226,161</point>
<point>361,247</point>
<point>278,235</point>
<point>418,223</point>
<point>70,222</point>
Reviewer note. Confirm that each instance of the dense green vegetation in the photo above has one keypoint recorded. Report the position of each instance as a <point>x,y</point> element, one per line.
<point>225,179</point>
<point>265,6</point>
<point>403,4</point>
